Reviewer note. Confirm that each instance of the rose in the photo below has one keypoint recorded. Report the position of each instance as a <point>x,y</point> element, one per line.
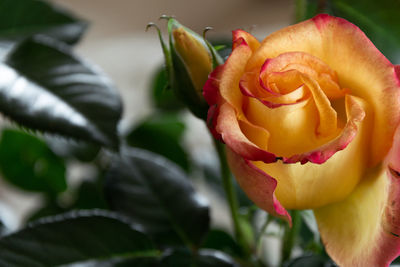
<point>309,118</point>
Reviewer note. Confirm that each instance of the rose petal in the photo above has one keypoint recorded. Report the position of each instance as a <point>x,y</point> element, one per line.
<point>258,186</point>
<point>229,128</point>
<point>315,185</point>
<point>251,41</point>
<point>363,229</point>
<point>249,88</point>
<point>231,73</point>
<point>324,152</point>
<point>292,128</point>
<point>359,65</point>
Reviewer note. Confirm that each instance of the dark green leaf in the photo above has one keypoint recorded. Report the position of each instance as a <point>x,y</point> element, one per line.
<point>121,262</point>
<point>28,163</point>
<point>22,18</point>
<point>72,149</point>
<point>306,9</point>
<point>172,258</point>
<point>220,240</point>
<point>90,195</point>
<point>161,134</point>
<point>163,97</point>
<point>204,258</point>
<point>50,208</point>
<point>311,261</point>
<point>156,193</point>
<point>380,21</point>
<point>73,237</point>
<point>45,87</point>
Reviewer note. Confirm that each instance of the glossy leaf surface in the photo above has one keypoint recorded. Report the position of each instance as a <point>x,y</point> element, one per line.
<point>155,193</point>
<point>73,237</point>
<point>44,86</point>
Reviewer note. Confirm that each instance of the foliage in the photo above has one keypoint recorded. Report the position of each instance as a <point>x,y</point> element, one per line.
<point>139,207</point>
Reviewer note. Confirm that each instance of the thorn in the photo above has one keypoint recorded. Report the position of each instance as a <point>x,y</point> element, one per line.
<point>152,24</point>
<point>206,29</point>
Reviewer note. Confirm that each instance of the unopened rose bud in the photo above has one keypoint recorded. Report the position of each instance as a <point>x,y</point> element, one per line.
<point>195,56</point>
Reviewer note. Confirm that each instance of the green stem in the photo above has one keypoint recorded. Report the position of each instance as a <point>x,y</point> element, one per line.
<point>262,232</point>
<point>290,235</point>
<point>231,196</point>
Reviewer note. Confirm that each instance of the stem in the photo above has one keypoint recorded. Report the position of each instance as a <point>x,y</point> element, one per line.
<point>262,232</point>
<point>231,196</point>
<point>290,235</point>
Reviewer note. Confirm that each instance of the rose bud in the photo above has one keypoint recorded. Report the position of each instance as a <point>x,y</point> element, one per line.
<point>309,118</point>
<point>192,61</point>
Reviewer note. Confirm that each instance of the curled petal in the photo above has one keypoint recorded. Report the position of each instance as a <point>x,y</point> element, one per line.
<point>212,96</point>
<point>258,185</point>
<point>229,128</point>
<point>359,65</point>
<point>363,229</point>
<point>316,185</point>
<point>239,36</point>
<point>323,153</point>
<point>231,73</point>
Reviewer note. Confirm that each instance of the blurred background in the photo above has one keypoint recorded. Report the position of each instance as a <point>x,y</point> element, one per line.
<point>117,42</point>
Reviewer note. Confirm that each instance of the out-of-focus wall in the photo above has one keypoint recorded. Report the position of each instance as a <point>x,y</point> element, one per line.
<point>117,41</point>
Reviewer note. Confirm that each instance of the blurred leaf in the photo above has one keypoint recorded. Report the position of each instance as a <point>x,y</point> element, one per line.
<point>72,149</point>
<point>171,258</point>
<point>306,9</point>
<point>310,261</point>
<point>90,195</point>
<point>204,258</point>
<point>379,20</point>
<point>50,208</point>
<point>221,240</point>
<point>45,87</point>
<point>28,163</point>
<point>163,97</point>
<point>121,262</point>
<point>161,134</point>
<point>155,193</point>
<point>213,178</point>
<point>22,18</point>
<point>309,220</point>
<point>73,237</point>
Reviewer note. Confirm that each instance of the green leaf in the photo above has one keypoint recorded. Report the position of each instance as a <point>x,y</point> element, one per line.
<point>310,261</point>
<point>306,9</point>
<point>155,193</point>
<point>90,195</point>
<point>22,18</point>
<point>379,20</point>
<point>28,163</point>
<point>173,258</point>
<point>45,87</point>
<point>221,240</point>
<point>203,258</point>
<point>73,237</point>
<point>72,149</point>
<point>162,134</point>
<point>164,98</point>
